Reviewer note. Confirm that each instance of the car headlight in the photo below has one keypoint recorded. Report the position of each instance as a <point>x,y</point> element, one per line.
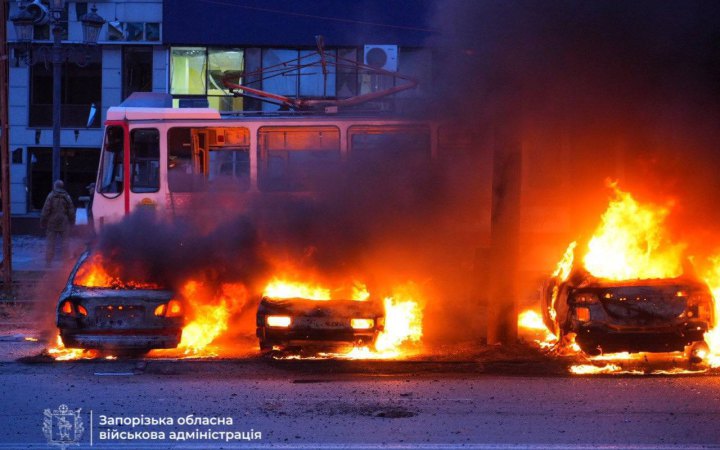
<point>278,321</point>
<point>362,324</point>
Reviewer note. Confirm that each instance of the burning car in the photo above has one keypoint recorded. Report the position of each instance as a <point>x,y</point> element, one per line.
<point>633,288</point>
<point>98,311</point>
<point>299,324</point>
<point>651,315</point>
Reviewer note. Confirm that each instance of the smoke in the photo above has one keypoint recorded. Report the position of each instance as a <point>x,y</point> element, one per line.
<point>597,90</point>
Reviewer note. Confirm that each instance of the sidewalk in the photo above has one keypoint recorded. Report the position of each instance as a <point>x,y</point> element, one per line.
<point>28,250</point>
<point>28,253</point>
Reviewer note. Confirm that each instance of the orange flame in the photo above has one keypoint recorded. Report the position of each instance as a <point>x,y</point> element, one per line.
<point>61,353</point>
<point>712,337</point>
<point>94,273</point>
<point>210,313</point>
<point>403,321</point>
<point>403,315</point>
<point>564,267</point>
<point>630,242</point>
<point>530,322</point>
<point>280,288</point>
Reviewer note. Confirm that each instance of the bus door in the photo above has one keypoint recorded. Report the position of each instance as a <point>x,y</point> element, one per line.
<point>145,168</point>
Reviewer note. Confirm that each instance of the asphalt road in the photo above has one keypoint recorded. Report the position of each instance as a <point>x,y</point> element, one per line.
<point>356,404</point>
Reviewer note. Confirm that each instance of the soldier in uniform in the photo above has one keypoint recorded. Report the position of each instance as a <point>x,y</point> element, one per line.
<point>57,216</point>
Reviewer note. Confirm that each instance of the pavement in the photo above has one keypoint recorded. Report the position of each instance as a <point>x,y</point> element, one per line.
<point>28,252</point>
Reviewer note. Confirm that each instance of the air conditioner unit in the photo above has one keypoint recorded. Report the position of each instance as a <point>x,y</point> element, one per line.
<point>381,57</point>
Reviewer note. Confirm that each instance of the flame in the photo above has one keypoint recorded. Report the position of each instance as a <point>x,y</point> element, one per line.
<point>208,311</point>
<point>279,288</point>
<point>94,273</point>
<point>564,267</point>
<point>360,292</point>
<point>403,321</point>
<point>61,353</point>
<point>589,369</point>
<point>530,322</point>
<point>630,242</point>
<point>403,316</point>
<point>712,337</point>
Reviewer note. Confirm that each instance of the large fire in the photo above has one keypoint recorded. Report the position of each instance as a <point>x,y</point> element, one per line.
<point>282,288</point>
<point>631,243</point>
<point>712,337</point>
<point>403,314</point>
<point>95,272</point>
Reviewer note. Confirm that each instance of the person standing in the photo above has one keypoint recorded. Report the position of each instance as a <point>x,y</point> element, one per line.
<point>57,216</point>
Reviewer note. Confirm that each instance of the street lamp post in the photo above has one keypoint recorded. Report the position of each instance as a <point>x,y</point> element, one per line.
<point>92,23</point>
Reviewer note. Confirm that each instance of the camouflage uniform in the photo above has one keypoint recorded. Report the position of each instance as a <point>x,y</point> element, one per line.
<point>58,215</point>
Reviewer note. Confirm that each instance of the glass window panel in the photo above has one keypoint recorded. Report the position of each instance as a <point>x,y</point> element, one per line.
<point>81,88</point>
<point>220,63</point>
<point>380,145</point>
<point>111,165</point>
<point>347,74</point>
<point>297,158</point>
<point>183,174</point>
<point>145,160</point>
<point>137,70</point>
<point>313,83</point>
<point>134,31</point>
<point>280,79</point>
<point>152,32</point>
<point>187,70</point>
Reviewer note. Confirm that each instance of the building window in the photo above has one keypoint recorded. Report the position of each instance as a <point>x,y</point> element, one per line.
<point>17,156</point>
<point>221,63</point>
<point>199,71</point>
<point>81,88</point>
<point>137,70</point>
<point>133,31</point>
<point>187,71</point>
<point>79,168</point>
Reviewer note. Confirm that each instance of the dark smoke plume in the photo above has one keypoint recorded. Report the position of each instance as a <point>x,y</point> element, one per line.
<point>626,90</point>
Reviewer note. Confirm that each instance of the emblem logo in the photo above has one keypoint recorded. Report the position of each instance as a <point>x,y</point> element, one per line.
<point>63,426</point>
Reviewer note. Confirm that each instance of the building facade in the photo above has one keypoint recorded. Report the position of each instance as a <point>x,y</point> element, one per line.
<point>186,48</point>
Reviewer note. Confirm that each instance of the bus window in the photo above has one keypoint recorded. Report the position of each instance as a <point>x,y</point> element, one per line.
<point>181,169</point>
<point>295,158</point>
<point>230,167</point>
<point>381,144</point>
<point>145,160</point>
<point>228,163</point>
<point>111,165</point>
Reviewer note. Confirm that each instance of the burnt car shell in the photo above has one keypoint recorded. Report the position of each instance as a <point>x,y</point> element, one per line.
<point>317,324</point>
<point>654,315</point>
<point>115,319</point>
